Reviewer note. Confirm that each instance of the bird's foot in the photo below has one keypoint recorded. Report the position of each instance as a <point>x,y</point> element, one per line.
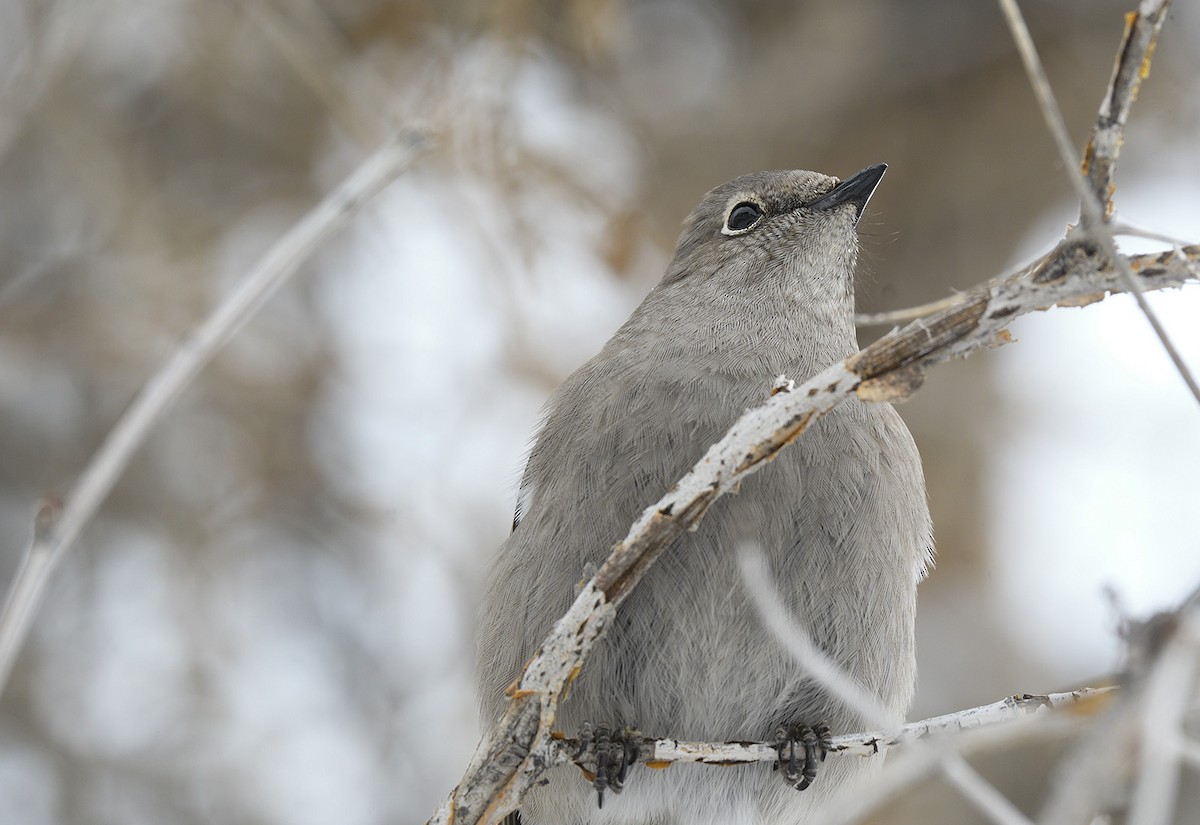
<point>800,748</point>
<point>610,752</point>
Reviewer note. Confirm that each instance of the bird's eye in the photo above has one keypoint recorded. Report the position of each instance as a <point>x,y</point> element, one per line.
<point>743,216</point>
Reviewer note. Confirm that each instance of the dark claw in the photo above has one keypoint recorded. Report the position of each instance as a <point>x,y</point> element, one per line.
<point>799,750</point>
<point>614,752</point>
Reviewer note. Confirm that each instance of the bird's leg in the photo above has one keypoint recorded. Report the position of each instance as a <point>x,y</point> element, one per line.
<point>799,749</point>
<point>612,752</point>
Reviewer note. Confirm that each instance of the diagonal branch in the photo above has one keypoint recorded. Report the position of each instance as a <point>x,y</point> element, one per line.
<point>305,36</point>
<point>823,671</point>
<point>1130,68</point>
<point>1081,270</point>
<point>1135,740</point>
<point>519,747</point>
<point>59,523</point>
<point>1091,214</point>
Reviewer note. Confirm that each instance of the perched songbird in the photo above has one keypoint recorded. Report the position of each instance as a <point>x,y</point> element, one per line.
<point>761,284</point>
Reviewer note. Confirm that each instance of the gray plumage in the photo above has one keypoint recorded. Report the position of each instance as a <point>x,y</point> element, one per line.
<point>841,516</point>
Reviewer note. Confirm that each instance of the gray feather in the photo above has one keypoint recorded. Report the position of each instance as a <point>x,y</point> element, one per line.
<point>841,515</point>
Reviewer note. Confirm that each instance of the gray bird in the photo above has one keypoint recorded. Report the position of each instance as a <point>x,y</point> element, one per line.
<point>761,284</point>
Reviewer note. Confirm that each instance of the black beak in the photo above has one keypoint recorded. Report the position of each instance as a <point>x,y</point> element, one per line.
<point>856,189</point>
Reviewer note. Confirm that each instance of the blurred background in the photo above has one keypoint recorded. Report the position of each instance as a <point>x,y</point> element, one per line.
<point>270,621</point>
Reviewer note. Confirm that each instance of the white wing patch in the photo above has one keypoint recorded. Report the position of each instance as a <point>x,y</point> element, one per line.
<point>524,498</point>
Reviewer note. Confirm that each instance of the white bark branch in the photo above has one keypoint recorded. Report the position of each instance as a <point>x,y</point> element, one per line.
<point>1082,269</point>
<point>1130,67</point>
<point>518,748</point>
<point>59,523</point>
<point>661,752</point>
<point>1134,52</point>
<point>1134,740</point>
<point>1170,688</point>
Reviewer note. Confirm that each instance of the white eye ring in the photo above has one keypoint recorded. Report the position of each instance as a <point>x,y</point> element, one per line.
<point>743,213</point>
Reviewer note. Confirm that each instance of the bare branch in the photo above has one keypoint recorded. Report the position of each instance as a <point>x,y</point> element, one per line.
<point>1091,215</point>
<point>1148,234</point>
<point>778,621</point>
<point>1081,270</point>
<point>1142,725</point>
<point>826,673</point>
<point>316,50</point>
<point>916,766</point>
<point>903,316</point>
<point>1056,714</point>
<point>1130,68</point>
<point>1051,113</point>
<point>659,752</point>
<point>518,748</point>
<point>979,792</point>
<point>1169,691</point>
<point>58,527</point>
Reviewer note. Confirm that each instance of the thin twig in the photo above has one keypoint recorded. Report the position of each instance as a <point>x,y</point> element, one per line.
<point>1051,113</point>
<point>912,766</point>
<point>1096,770</point>
<point>979,792</point>
<point>903,316</point>
<point>516,751</point>
<point>1148,234</point>
<point>1085,702</point>
<point>1170,688</point>
<point>1074,797</point>
<point>1091,213</point>
<point>1130,67</point>
<point>519,747</point>
<point>826,673</point>
<point>989,727</point>
<point>57,528</point>
<point>756,579</point>
<point>306,38</point>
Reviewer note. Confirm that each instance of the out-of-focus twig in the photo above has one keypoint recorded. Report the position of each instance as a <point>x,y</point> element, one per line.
<point>306,38</point>
<point>58,526</point>
<point>1170,690</point>
<point>913,767</point>
<point>777,619</point>
<point>979,792</point>
<point>903,316</point>
<point>1118,99</point>
<point>517,750</point>
<point>1084,267</point>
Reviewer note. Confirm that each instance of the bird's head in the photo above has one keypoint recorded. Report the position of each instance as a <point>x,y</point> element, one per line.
<point>788,231</point>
